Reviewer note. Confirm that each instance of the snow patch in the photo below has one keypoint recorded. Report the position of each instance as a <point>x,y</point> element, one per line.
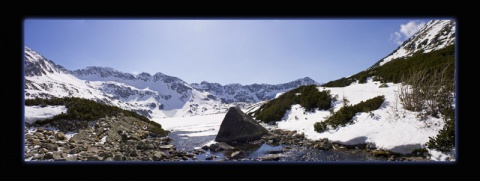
<point>36,113</point>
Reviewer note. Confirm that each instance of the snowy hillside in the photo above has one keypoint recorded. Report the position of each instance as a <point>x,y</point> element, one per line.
<point>391,127</point>
<point>435,35</point>
<point>249,93</point>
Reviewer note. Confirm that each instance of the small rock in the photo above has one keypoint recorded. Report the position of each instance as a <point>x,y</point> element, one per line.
<point>234,154</point>
<point>166,147</point>
<point>40,130</point>
<point>93,158</point>
<point>73,151</point>
<point>118,157</point>
<point>214,146</point>
<point>43,150</point>
<point>225,146</point>
<point>274,152</point>
<point>205,147</point>
<point>380,153</point>
<point>48,155</point>
<point>158,155</point>
<point>50,146</point>
<point>61,136</point>
<point>271,157</point>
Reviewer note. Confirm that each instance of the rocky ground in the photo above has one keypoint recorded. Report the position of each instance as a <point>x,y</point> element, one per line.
<point>117,138</point>
<point>122,138</point>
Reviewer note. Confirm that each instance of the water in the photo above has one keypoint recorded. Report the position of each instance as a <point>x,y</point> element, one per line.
<point>253,152</point>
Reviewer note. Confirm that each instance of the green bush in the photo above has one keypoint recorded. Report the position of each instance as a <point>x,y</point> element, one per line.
<point>88,110</point>
<point>445,140</point>
<point>307,96</point>
<point>347,112</point>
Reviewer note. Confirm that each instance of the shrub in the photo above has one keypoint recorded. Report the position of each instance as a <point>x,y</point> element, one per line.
<point>445,140</point>
<point>347,112</point>
<point>307,96</point>
<point>383,85</point>
<point>88,110</point>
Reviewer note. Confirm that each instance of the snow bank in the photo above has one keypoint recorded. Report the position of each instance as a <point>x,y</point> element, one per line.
<point>35,113</point>
<point>200,125</point>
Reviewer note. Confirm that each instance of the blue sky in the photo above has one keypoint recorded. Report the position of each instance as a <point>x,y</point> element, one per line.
<point>224,51</point>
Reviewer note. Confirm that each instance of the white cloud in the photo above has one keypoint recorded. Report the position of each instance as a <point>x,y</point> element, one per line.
<point>406,31</point>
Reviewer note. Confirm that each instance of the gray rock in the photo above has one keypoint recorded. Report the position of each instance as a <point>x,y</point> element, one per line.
<point>40,130</point>
<point>73,151</point>
<point>38,135</point>
<point>158,155</point>
<point>48,155</point>
<point>105,154</point>
<point>118,157</point>
<point>234,154</point>
<point>240,127</point>
<point>271,157</point>
<point>166,147</point>
<point>225,146</point>
<point>205,147</point>
<point>213,146</point>
<point>275,151</point>
<point>93,158</point>
<point>50,146</point>
<point>43,150</point>
<point>61,136</point>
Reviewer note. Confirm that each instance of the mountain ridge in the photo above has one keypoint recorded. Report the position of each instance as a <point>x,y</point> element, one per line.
<point>157,95</point>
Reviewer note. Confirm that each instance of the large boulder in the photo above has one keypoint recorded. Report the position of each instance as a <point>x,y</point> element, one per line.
<point>239,127</point>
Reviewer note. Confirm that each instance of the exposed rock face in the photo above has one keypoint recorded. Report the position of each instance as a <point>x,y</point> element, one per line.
<point>239,127</point>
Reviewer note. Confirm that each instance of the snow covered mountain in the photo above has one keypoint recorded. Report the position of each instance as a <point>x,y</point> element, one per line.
<point>435,35</point>
<point>155,96</point>
<point>249,93</point>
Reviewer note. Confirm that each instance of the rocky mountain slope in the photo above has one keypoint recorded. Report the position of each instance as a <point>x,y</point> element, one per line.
<point>435,35</point>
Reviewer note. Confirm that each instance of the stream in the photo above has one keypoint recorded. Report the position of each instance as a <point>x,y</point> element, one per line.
<point>255,152</point>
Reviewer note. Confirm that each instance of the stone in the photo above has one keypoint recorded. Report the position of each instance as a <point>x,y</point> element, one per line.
<point>93,158</point>
<point>240,127</point>
<point>275,151</point>
<point>73,151</point>
<point>48,155</point>
<point>50,146</point>
<point>205,147</point>
<point>225,146</point>
<point>38,135</point>
<point>213,146</point>
<point>158,155</point>
<point>105,154</point>
<point>166,147</point>
<point>382,153</point>
<point>234,154</point>
<point>40,130</point>
<point>271,157</point>
<point>118,157</point>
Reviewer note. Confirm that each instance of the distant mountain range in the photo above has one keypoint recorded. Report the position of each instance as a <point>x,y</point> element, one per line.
<point>157,95</point>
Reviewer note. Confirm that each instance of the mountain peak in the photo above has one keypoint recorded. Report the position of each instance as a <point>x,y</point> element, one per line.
<point>37,65</point>
<point>434,35</point>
